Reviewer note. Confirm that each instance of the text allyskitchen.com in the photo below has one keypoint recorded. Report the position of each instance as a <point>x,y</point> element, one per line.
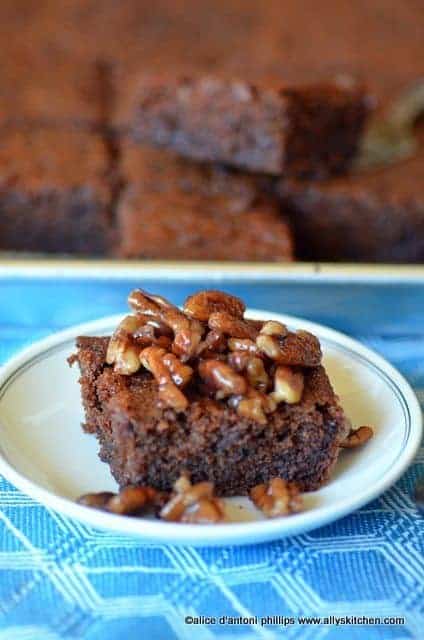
<point>287,621</point>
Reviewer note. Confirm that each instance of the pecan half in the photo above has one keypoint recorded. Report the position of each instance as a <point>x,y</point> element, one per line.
<point>195,504</point>
<point>147,303</point>
<point>122,349</point>
<point>274,328</point>
<point>252,409</point>
<point>256,374</point>
<point>202,304</point>
<point>221,378</point>
<point>181,373</point>
<point>357,437</point>
<point>187,333</point>
<point>146,335</point>
<point>131,500</point>
<point>238,360</point>
<point>253,367</point>
<point>168,371</point>
<point>213,343</point>
<point>224,322</point>
<point>269,339</point>
<point>243,344</point>
<point>277,498</point>
<point>288,385</point>
<point>255,406</point>
<point>294,349</point>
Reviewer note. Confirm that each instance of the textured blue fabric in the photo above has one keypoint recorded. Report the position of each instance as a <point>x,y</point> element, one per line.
<point>62,579</point>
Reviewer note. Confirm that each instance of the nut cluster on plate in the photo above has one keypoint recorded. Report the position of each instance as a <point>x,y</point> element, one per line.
<point>194,503</point>
<point>251,365</point>
<point>132,500</point>
<point>277,498</point>
<point>190,503</point>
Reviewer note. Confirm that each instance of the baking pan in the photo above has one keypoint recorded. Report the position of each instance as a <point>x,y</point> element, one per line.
<point>347,297</point>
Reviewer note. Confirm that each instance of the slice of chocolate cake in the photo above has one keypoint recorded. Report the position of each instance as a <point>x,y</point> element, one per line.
<point>374,216</point>
<point>308,132</point>
<point>54,196</point>
<point>208,392</point>
<point>174,209</point>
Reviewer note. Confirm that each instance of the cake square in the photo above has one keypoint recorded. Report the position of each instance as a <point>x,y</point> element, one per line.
<point>222,416</point>
<point>371,216</point>
<point>54,193</point>
<point>307,132</point>
<point>175,209</point>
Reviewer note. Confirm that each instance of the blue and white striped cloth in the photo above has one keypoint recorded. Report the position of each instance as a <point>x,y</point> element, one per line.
<point>62,579</point>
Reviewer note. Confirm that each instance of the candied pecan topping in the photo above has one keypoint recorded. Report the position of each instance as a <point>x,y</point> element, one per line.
<point>131,500</point>
<point>242,344</point>
<point>223,322</point>
<point>143,303</point>
<point>213,343</point>
<point>288,385</point>
<point>146,336</point>
<point>238,360</point>
<point>180,373</point>
<point>220,377</point>
<point>274,328</point>
<point>253,367</point>
<point>357,437</point>
<point>193,503</point>
<point>169,373</point>
<point>202,304</point>
<point>256,374</point>
<point>152,359</point>
<point>159,328</point>
<point>210,347</point>
<point>122,349</point>
<point>255,405</point>
<point>252,409</point>
<point>187,333</point>
<point>277,498</point>
<point>294,349</point>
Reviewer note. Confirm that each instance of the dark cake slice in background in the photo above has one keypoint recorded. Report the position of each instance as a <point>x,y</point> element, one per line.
<point>54,195</point>
<point>308,132</point>
<point>236,418</point>
<point>374,216</point>
<point>174,209</point>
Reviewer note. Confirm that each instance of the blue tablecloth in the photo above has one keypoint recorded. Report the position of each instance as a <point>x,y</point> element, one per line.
<point>61,579</point>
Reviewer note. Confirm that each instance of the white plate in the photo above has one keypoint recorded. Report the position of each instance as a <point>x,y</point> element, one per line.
<point>44,452</point>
